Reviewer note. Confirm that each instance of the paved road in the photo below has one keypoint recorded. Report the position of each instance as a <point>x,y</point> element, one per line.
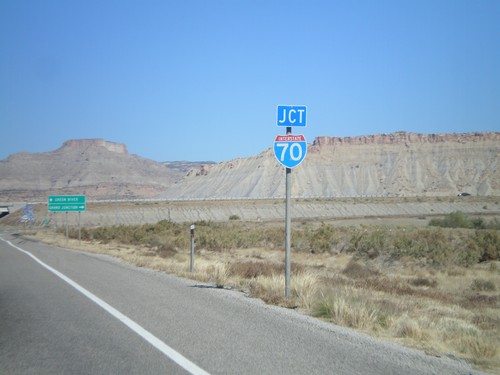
<point>49,327</point>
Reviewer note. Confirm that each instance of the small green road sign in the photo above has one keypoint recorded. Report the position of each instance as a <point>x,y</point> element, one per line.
<point>67,203</point>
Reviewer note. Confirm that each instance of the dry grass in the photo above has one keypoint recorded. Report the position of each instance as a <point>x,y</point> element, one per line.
<point>346,309</point>
<point>305,287</point>
<point>442,310</point>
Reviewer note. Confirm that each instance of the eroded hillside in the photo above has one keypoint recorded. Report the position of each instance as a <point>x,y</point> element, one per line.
<point>397,164</point>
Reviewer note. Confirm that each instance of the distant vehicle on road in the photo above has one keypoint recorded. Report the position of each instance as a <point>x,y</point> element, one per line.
<point>464,194</point>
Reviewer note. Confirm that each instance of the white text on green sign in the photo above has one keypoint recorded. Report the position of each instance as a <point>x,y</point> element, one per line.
<point>66,203</point>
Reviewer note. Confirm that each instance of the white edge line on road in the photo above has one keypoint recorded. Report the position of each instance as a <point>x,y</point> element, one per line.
<point>146,335</point>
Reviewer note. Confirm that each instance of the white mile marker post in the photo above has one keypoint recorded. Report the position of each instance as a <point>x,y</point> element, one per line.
<point>191,262</point>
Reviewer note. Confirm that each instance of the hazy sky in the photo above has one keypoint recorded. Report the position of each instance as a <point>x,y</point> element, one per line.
<point>201,80</point>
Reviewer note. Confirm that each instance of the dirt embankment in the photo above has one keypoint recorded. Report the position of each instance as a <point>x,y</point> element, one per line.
<point>128,213</point>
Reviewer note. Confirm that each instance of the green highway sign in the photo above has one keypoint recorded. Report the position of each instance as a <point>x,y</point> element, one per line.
<point>67,203</point>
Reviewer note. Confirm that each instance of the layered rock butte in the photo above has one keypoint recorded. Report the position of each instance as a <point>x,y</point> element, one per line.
<point>395,164</point>
<point>92,167</point>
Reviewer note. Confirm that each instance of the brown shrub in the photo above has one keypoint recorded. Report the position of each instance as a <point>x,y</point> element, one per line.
<point>424,281</point>
<point>400,286</point>
<point>485,322</point>
<point>358,271</point>
<point>251,270</point>
<point>166,251</point>
<point>479,301</point>
<point>483,285</point>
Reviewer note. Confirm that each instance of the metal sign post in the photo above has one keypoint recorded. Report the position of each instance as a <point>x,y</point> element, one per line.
<point>79,229</point>
<point>290,151</point>
<point>67,227</point>
<point>288,225</point>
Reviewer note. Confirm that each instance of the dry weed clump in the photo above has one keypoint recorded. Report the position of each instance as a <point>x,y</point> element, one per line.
<point>305,287</point>
<point>220,274</point>
<point>344,308</point>
<point>407,327</point>
<point>478,349</point>
<point>466,338</point>
<point>271,289</point>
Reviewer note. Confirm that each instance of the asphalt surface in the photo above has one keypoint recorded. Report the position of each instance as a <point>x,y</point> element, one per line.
<point>49,327</point>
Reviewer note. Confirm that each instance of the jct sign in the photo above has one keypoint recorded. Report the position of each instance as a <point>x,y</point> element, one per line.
<point>292,115</point>
<point>290,149</point>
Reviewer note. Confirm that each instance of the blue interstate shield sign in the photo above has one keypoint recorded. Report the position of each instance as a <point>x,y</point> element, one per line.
<point>290,149</point>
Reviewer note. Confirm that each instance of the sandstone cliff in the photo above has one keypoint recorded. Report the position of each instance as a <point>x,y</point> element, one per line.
<point>396,164</point>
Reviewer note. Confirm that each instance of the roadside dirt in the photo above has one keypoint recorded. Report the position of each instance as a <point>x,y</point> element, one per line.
<point>391,211</point>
